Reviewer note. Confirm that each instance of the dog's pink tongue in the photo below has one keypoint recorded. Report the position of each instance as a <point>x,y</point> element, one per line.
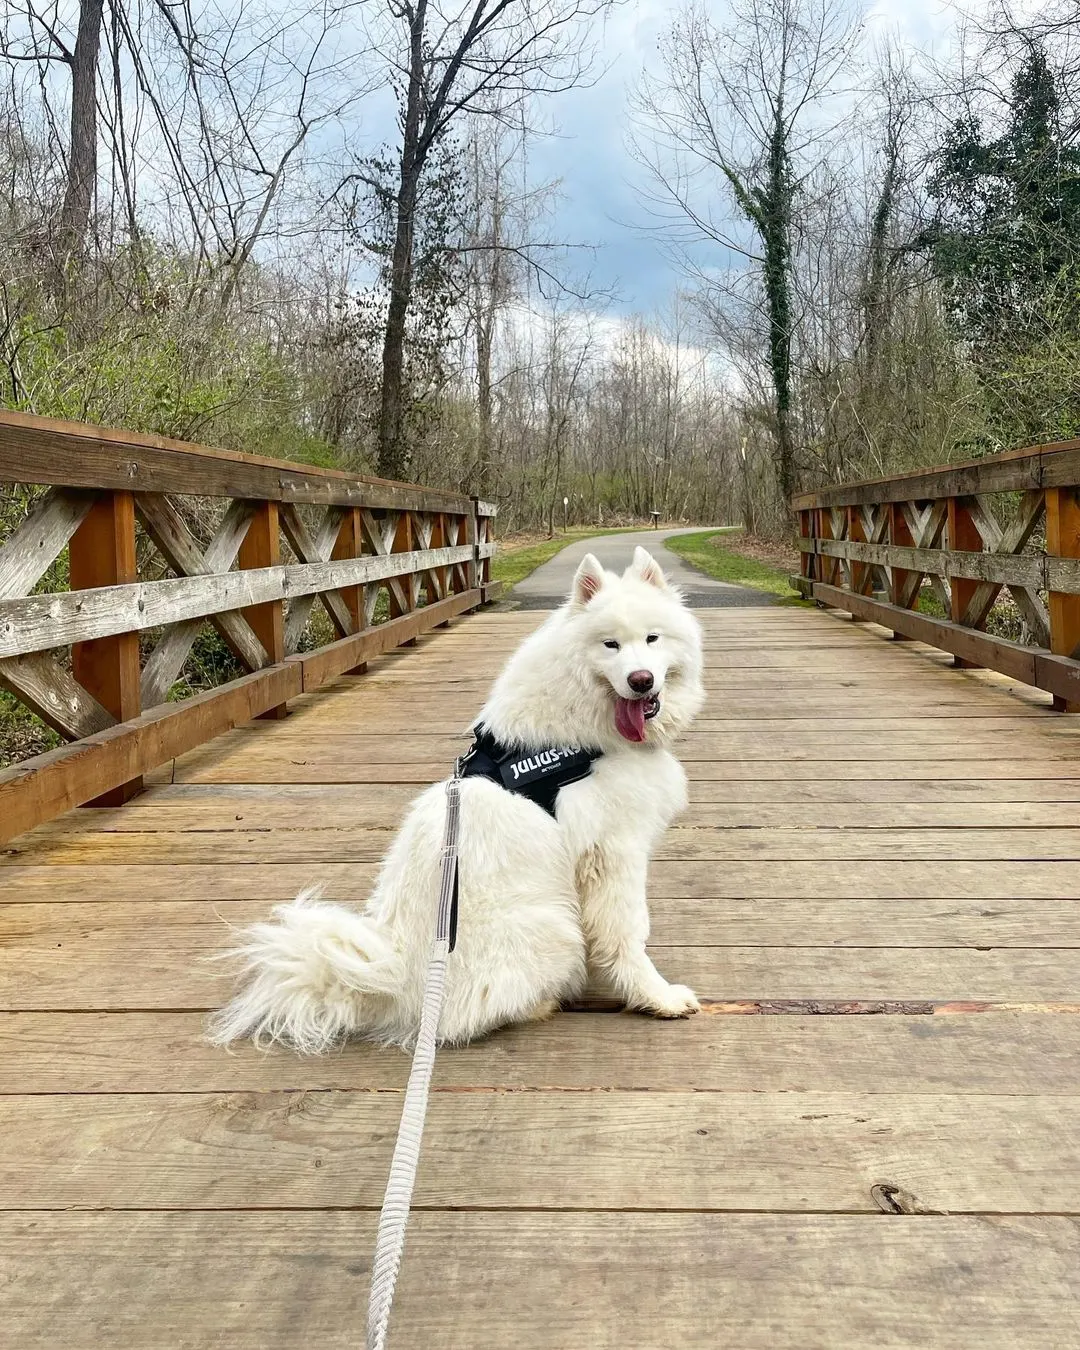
<point>630,718</point>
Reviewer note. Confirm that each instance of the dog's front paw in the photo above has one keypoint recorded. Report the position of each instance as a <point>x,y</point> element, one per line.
<point>676,1001</point>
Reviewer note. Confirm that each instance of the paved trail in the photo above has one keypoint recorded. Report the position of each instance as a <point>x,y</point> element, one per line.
<point>548,585</point>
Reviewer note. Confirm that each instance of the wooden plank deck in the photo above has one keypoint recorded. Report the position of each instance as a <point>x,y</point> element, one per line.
<point>870,829</point>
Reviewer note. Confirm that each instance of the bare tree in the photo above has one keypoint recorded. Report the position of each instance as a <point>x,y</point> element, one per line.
<point>729,131</point>
<point>43,40</point>
<point>474,58</point>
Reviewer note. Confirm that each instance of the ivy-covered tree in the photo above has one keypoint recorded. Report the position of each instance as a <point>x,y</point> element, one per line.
<point>357,332</point>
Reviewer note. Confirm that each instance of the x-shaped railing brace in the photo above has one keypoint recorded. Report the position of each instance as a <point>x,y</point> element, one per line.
<point>182,551</point>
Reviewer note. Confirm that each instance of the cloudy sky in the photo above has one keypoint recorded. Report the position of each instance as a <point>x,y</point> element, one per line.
<point>600,180</point>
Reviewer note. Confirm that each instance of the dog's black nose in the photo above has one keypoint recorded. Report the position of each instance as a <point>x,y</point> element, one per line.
<point>640,681</point>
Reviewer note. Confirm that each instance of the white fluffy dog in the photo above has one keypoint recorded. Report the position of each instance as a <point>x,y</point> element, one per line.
<point>546,901</point>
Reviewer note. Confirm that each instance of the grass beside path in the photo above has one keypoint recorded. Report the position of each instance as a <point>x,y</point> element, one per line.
<point>705,551</point>
<point>515,559</point>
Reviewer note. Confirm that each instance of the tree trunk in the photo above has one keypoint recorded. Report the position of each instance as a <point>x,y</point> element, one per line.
<point>82,149</point>
<point>877,270</point>
<point>485,323</point>
<point>776,231</point>
<point>392,451</point>
<point>393,456</point>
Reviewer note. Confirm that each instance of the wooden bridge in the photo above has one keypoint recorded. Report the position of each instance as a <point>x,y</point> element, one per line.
<point>869,1137</point>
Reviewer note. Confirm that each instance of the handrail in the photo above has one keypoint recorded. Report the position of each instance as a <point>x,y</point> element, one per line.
<point>1055,464</point>
<point>75,455</point>
<point>351,538</point>
<point>871,547</point>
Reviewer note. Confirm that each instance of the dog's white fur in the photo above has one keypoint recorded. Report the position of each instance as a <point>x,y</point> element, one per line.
<point>543,903</point>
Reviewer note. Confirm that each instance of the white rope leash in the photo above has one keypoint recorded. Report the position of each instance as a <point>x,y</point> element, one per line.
<point>390,1241</point>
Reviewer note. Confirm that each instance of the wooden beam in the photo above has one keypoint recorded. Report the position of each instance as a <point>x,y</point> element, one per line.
<point>75,455</point>
<point>102,553</point>
<point>40,622</point>
<point>47,785</point>
<point>1063,540</point>
<point>342,658</point>
<point>403,543</point>
<point>963,534</point>
<point>904,587</point>
<point>861,580</point>
<point>261,548</point>
<point>806,541</point>
<point>1057,674</point>
<point>1030,467</point>
<point>177,545</point>
<point>350,544</point>
<point>36,542</point>
<point>54,695</point>
<point>491,591</point>
<point>309,550</point>
<point>47,689</point>
<point>1040,572</point>
<point>830,565</point>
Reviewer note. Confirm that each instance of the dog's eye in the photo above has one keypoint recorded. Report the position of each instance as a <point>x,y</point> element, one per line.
<point>612,644</point>
<point>653,637</point>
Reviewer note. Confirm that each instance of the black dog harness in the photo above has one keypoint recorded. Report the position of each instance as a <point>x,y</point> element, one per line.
<point>536,774</point>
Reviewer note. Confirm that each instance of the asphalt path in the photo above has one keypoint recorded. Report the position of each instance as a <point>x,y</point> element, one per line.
<point>549,585</point>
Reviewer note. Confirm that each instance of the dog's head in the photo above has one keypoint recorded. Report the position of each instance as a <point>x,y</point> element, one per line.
<point>639,646</point>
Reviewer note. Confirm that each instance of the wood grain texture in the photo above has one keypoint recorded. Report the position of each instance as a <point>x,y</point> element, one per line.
<point>703,881</point>
<point>72,454</point>
<point>1063,540</point>
<point>37,541</point>
<point>345,618</point>
<point>701,845</point>
<point>1003,1053</point>
<point>1002,568</point>
<point>41,788</point>
<point>101,554</point>
<point>1012,471</point>
<point>38,623</point>
<point>167,527</point>
<point>54,695</point>
<point>880,865</point>
<point>82,956</point>
<point>793,1152</point>
<point>269,1281</point>
<point>195,807</point>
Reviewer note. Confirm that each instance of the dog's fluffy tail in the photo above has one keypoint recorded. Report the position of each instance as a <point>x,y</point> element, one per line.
<point>310,979</point>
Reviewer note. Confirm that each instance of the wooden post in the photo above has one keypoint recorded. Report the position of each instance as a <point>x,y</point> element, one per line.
<point>828,568</point>
<point>439,537</point>
<point>806,560</point>
<point>483,536</point>
<point>350,544</point>
<point>102,553</point>
<point>262,548</point>
<point>861,573</point>
<point>403,543</point>
<point>963,535</point>
<point>1063,541</point>
<point>472,537</point>
<point>899,533</point>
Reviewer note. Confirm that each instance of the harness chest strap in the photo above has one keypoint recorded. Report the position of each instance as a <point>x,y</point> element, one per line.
<point>535,773</point>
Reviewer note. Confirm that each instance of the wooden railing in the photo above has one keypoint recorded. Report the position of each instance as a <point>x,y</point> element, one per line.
<point>971,530</point>
<point>277,539</point>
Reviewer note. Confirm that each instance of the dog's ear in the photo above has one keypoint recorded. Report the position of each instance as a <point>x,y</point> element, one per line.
<point>587,580</point>
<point>647,568</point>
